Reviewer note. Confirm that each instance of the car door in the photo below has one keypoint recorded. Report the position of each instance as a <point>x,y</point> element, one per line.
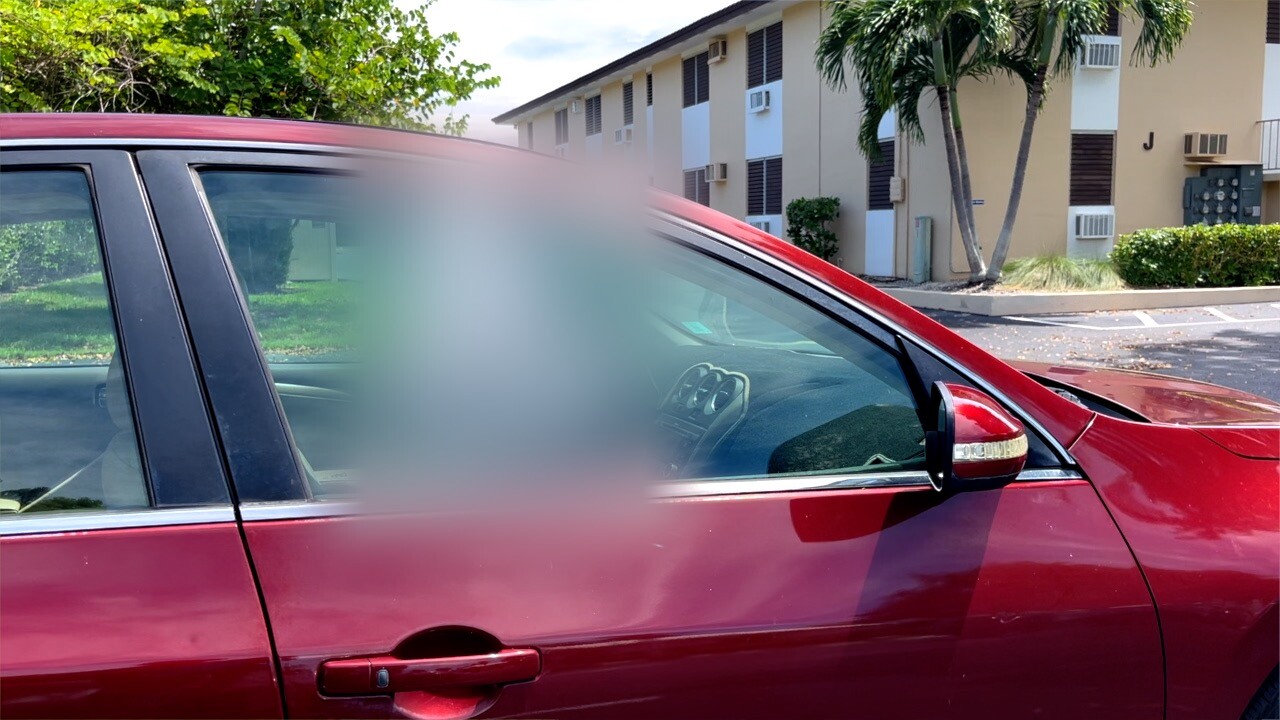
<point>125,590</point>
<point>795,562</point>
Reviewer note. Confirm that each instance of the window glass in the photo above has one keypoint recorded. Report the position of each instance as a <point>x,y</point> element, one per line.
<point>522,340</point>
<point>67,439</point>
<point>766,385</point>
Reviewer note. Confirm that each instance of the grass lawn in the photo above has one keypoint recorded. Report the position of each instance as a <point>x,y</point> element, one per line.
<point>67,320</point>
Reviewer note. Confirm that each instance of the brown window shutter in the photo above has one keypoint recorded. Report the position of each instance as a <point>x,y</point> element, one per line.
<point>773,186</point>
<point>704,77</point>
<point>755,187</point>
<point>690,82</point>
<point>1273,22</point>
<point>773,53</point>
<point>1113,20</point>
<point>628,108</point>
<point>755,58</point>
<point>1092,165</point>
<point>704,188</point>
<point>879,175</point>
<point>593,115</point>
<point>648,89</point>
<point>691,185</point>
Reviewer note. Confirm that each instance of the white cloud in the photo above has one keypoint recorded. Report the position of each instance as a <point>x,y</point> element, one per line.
<point>538,45</point>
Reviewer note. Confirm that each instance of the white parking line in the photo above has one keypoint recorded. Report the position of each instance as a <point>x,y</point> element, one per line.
<point>1219,314</point>
<point>1144,326</point>
<point>1145,319</point>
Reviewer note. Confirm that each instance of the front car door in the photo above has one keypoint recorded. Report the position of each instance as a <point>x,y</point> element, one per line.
<point>125,590</point>
<point>794,562</point>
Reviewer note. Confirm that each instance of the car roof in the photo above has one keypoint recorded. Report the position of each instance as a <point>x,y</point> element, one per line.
<point>32,128</point>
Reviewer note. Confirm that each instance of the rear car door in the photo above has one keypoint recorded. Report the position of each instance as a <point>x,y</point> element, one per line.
<point>795,563</point>
<point>125,590</point>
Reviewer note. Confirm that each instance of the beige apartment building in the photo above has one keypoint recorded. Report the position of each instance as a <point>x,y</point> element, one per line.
<point>730,111</point>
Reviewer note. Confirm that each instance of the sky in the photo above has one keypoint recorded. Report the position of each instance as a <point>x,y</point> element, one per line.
<point>538,45</point>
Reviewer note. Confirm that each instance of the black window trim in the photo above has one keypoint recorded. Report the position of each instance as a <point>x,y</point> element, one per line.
<point>181,461</point>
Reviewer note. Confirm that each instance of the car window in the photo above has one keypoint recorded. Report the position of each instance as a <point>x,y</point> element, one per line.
<point>761,384</point>
<point>67,439</point>
<point>486,343</point>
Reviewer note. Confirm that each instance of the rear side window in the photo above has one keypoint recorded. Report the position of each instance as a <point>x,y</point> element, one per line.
<point>67,438</point>
<point>297,261</point>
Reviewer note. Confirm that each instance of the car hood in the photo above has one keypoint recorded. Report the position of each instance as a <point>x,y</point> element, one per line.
<point>1163,399</point>
<point>1244,424</point>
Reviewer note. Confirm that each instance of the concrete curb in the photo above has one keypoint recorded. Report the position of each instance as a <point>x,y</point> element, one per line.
<point>999,305</point>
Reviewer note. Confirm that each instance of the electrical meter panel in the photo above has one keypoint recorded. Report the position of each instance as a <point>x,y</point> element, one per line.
<point>1223,194</point>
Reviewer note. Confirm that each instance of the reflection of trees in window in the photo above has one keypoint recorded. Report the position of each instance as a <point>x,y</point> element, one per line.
<point>259,249</point>
<point>38,252</point>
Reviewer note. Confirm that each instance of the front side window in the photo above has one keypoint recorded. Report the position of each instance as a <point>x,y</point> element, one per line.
<point>768,386</point>
<point>537,344</point>
<point>67,439</point>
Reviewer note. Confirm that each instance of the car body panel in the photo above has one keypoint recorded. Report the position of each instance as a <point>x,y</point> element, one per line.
<point>1164,399</point>
<point>1203,524</point>
<point>872,603</point>
<point>156,622</point>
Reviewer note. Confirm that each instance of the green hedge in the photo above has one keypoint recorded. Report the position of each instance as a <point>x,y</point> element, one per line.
<point>808,225</point>
<point>1200,256</point>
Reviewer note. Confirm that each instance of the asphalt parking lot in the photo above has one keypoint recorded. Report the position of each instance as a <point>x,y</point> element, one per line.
<point>1233,345</point>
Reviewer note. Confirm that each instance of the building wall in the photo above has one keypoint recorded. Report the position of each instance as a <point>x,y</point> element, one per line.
<point>728,83</point>
<point>1214,80</point>
<point>1211,85</point>
<point>666,125</point>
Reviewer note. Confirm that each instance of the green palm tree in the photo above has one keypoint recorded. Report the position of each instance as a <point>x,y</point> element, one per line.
<point>1051,36</point>
<point>902,50</point>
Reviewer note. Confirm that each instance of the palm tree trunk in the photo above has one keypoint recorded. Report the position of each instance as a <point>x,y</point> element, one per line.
<point>962,154</point>
<point>976,268</point>
<point>1035,93</point>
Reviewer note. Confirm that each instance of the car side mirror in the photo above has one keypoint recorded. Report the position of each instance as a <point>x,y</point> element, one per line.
<point>976,444</point>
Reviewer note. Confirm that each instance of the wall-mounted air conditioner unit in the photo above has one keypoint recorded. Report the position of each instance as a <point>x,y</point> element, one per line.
<point>717,172</point>
<point>717,49</point>
<point>764,225</point>
<point>1204,145</point>
<point>758,101</point>
<point>622,135</point>
<point>575,106</point>
<point>1095,225</point>
<point>1101,52</point>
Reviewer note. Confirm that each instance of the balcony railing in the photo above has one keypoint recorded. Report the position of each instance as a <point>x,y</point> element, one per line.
<point>1270,145</point>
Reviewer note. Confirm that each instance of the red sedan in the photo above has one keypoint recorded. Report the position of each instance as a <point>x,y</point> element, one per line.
<point>853,512</point>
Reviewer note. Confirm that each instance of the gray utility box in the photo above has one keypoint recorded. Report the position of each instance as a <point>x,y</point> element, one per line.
<point>922,250</point>
<point>1224,194</point>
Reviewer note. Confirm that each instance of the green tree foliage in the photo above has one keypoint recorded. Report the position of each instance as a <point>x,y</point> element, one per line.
<point>364,61</point>
<point>808,225</point>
